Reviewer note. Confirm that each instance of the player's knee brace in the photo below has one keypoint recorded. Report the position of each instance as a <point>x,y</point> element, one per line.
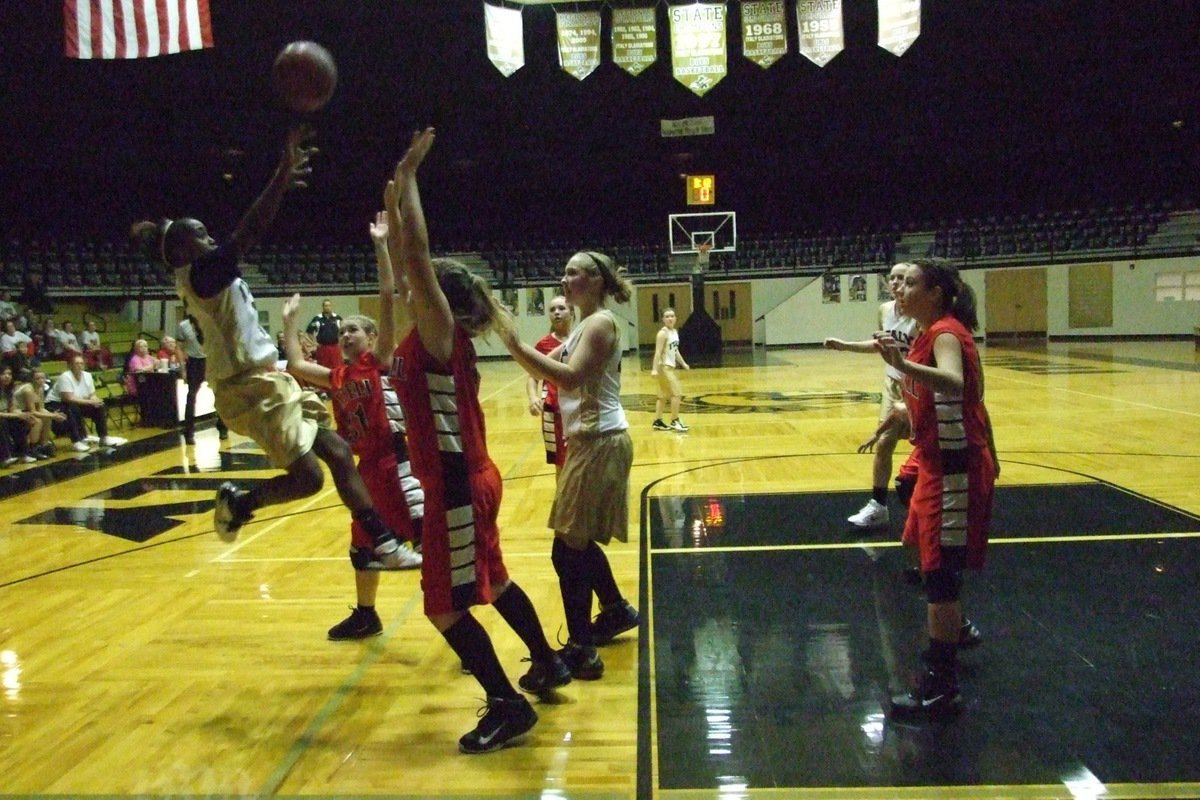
<point>943,585</point>
<point>361,557</point>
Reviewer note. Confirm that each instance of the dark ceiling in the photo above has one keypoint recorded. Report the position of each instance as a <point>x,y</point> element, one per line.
<point>1001,106</point>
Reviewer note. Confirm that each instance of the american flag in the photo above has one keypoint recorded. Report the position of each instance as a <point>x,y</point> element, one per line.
<point>135,28</point>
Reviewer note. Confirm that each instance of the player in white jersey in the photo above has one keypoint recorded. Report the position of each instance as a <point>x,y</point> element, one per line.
<point>252,396</point>
<point>903,330</point>
<point>667,359</point>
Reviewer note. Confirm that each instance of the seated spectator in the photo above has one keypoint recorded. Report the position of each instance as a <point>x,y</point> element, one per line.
<point>30,397</point>
<point>15,347</point>
<point>140,360</point>
<point>7,309</point>
<point>15,424</point>
<point>74,394</point>
<point>168,350</point>
<point>95,354</point>
<point>49,346</point>
<point>69,341</point>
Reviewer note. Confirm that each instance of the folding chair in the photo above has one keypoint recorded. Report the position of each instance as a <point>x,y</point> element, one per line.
<point>120,406</point>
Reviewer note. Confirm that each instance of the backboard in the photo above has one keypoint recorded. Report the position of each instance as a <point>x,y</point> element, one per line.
<point>687,231</point>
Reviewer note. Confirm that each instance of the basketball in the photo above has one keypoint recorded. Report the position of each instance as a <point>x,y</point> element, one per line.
<point>305,76</point>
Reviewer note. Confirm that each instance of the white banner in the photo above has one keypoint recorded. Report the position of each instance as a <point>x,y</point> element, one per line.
<point>688,126</point>
<point>698,45</point>
<point>505,38</point>
<point>899,24</point>
<point>578,42</point>
<point>634,39</point>
<point>819,28</point>
<point>764,32</point>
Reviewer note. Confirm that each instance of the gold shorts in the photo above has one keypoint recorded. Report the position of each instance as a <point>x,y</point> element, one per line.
<point>272,409</point>
<point>592,500</point>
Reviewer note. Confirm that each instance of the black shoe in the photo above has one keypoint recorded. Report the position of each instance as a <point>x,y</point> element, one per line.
<point>228,518</point>
<point>583,661</point>
<point>189,439</point>
<point>659,425</point>
<point>969,636</point>
<point>611,622</point>
<point>936,695</point>
<point>361,624</point>
<point>504,719</point>
<point>545,675</point>
<point>222,433</point>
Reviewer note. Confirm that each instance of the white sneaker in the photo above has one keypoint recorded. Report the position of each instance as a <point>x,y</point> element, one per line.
<point>92,439</point>
<point>27,459</point>
<point>872,515</point>
<point>8,462</point>
<point>113,441</point>
<point>80,447</point>
<point>403,557</point>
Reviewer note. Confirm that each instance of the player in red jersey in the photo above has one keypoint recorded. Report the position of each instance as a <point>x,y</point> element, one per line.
<point>954,452</point>
<point>434,372</point>
<point>543,395</point>
<point>369,418</point>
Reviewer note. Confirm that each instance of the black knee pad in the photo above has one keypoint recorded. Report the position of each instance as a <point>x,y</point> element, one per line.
<point>943,585</point>
<point>361,557</point>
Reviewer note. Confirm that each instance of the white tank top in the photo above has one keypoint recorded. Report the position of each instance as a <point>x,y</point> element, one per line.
<point>903,330</point>
<point>672,347</point>
<point>595,406</point>
<point>233,338</point>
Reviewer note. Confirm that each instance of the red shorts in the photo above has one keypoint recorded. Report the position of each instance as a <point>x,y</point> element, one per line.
<point>448,590</point>
<point>937,517</point>
<point>552,436</point>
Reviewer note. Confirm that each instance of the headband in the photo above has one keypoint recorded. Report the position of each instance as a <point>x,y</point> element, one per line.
<point>162,245</point>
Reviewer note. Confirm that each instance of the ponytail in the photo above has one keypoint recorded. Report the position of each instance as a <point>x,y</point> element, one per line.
<point>958,298</point>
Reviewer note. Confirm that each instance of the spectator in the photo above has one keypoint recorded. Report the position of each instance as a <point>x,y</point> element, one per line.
<point>15,347</point>
<point>31,398</point>
<point>69,341</point>
<point>325,328</point>
<point>95,355</point>
<point>140,360</point>
<point>168,350</point>
<point>74,394</point>
<point>15,424</point>
<point>7,309</point>
<point>34,296</point>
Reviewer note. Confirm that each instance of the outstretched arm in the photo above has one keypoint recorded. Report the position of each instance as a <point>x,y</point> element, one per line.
<point>292,172</point>
<point>408,240</point>
<point>596,343</point>
<point>297,364</point>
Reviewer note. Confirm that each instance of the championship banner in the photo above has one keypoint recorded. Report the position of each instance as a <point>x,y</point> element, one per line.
<point>634,39</point>
<point>698,45</point>
<point>899,24</point>
<point>819,27</point>
<point>764,32</point>
<point>505,38</point>
<point>578,42</point>
<point>688,126</point>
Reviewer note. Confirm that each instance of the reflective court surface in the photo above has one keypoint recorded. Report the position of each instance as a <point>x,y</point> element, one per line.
<point>140,656</point>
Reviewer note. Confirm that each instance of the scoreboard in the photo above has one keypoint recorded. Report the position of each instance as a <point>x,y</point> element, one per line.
<point>701,190</point>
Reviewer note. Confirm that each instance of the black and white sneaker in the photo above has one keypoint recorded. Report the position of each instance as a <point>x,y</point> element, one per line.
<point>678,426</point>
<point>362,623</point>
<point>936,695</point>
<point>504,719</point>
<point>545,675</point>
<point>611,622</point>
<point>659,425</point>
<point>228,518</point>
<point>583,661</point>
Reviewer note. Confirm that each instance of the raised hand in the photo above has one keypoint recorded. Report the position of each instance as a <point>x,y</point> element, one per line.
<point>418,148</point>
<point>379,228</point>
<point>296,155</point>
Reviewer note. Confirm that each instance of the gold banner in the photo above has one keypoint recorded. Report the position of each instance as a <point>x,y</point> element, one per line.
<point>764,32</point>
<point>819,27</point>
<point>505,38</point>
<point>634,39</point>
<point>698,45</point>
<point>899,24</point>
<point>578,42</point>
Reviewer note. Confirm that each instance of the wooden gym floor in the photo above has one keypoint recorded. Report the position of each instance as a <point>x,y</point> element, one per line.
<point>142,657</point>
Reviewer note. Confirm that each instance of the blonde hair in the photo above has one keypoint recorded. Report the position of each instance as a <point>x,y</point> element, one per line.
<point>361,320</point>
<point>469,296</point>
<point>615,283</point>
